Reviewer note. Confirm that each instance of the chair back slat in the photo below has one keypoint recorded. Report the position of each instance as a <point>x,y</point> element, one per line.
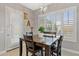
<point>29,40</point>
<point>50,33</point>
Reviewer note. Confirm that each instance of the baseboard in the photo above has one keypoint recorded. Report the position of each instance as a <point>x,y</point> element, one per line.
<point>15,45</point>
<point>70,50</point>
<point>12,49</point>
<point>2,52</point>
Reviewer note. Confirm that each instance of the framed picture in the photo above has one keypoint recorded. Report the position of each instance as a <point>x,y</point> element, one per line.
<point>26,19</point>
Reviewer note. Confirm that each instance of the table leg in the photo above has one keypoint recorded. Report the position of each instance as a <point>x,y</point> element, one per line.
<point>26,51</point>
<point>47,51</point>
<point>41,52</point>
<point>20,49</point>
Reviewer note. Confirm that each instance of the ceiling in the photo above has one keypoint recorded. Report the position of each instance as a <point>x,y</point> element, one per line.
<point>34,6</point>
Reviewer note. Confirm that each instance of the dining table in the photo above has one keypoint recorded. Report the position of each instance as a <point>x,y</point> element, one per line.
<point>42,42</point>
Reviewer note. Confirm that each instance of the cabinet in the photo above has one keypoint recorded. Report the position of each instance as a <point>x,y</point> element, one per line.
<point>13,28</point>
<point>2,28</point>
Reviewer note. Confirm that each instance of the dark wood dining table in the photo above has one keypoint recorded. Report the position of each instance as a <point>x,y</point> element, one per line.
<point>42,43</point>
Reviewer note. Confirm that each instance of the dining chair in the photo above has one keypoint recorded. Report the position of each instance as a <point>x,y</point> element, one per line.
<point>29,33</point>
<point>47,37</point>
<point>30,45</point>
<point>50,33</point>
<point>56,50</point>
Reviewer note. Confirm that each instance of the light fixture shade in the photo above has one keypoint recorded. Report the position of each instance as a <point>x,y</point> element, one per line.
<point>43,9</point>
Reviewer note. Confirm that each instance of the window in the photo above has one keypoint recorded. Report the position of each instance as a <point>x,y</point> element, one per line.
<point>69,16</point>
<point>66,17</point>
<point>62,21</point>
<point>69,24</point>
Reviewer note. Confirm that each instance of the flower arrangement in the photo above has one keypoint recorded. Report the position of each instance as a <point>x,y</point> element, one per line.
<point>41,29</point>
